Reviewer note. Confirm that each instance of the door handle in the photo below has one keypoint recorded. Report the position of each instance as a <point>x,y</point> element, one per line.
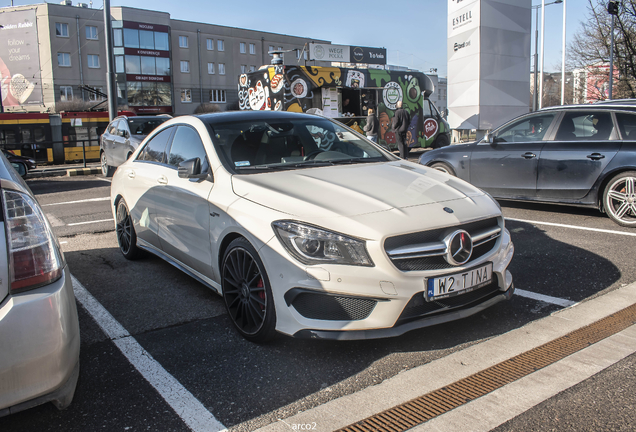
<point>596,156</point>
<point>528,155</point>
<point>131,174</point>
<point>162,180</point>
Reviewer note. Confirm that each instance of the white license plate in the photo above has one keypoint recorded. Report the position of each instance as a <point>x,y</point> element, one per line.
<point>458,283</point>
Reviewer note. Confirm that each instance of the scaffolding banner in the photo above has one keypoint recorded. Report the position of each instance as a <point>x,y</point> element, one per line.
<point>19,59</point>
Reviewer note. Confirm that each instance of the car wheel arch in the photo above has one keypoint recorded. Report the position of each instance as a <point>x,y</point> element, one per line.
<point>599,188</point>
<point>225,243</point>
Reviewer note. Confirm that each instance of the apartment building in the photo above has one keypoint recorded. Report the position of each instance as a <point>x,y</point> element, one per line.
<point>55,53</point>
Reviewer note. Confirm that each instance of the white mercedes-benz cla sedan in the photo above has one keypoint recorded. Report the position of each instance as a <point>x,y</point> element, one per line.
<point>308,229</point>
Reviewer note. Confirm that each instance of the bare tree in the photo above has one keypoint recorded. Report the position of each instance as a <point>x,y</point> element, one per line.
<point>590,48</point>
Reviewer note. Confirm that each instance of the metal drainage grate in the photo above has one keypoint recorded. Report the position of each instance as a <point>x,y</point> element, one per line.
<point>424,408</point>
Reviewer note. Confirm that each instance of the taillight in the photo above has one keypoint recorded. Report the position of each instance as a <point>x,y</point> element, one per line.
<point>34,256</point>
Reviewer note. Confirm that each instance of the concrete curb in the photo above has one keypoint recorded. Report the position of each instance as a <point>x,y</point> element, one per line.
<point>83,171</point>
<point>413,383</point>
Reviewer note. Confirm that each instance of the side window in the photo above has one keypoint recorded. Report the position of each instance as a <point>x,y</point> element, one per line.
<point>187,145</point>
<point>579,126</point>
<point>112,129</point>
<point>426,109</point>
<point>155,149</point>
<point>531,128</point>
<point>627,125</point>
<point>122,127</point>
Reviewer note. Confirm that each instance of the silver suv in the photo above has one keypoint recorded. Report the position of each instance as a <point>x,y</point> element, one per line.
<point>122,137</point>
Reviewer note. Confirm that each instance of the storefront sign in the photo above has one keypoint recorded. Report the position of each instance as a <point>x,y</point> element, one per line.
<point>347,54</point>
<point>145,26</point>
<point>148,78</point>
<point>146,52</point>
<point>368,55</point>
<point>152,109</point>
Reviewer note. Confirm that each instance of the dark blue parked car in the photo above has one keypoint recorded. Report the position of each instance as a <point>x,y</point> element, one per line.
<point>582,155</point>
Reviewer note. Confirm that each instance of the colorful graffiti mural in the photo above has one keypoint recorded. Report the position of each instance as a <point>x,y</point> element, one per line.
<point>299,89</point>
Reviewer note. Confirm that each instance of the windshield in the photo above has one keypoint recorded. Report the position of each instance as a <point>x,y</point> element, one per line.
<point>246,147</point>
<point>143,126</point>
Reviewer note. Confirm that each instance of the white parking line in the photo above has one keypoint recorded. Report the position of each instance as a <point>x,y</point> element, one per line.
<point>78,201</point>
<point>189,408</point>
<point>90,222</point>
<point>573,227</point>
<point>544,298</point>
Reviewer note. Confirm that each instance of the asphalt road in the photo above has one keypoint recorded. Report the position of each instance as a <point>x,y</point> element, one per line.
<point>183,326</point>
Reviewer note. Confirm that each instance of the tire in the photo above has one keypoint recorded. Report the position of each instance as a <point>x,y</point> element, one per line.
<point>247,293</point>
<point>619,199</point>
<point>441,141</point>
<point>107,170</point>
<point>443,167</point>
<point>126,236</point>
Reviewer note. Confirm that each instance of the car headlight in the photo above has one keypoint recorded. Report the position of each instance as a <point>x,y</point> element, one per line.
<point>313,245</point>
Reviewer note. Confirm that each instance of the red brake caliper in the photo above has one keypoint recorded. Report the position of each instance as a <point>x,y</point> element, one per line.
<point>261,294</point>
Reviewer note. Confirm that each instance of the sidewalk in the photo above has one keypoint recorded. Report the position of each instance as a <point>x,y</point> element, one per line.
<point>65,170</point>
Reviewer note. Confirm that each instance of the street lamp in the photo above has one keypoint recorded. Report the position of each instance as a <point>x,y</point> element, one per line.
<point>538,82</point>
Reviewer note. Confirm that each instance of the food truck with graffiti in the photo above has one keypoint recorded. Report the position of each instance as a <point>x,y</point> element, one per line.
<point>346,95</point>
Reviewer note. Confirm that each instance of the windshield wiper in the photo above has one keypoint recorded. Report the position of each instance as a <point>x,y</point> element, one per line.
<point>357,160</point>
<point>284,166</point>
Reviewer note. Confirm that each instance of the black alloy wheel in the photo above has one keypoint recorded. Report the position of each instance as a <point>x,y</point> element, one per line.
<point>126,236</point>
<point>247,293</point>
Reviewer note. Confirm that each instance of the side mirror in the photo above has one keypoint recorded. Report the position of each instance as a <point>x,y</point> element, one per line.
<point>191,169</point>
<point>489,138</point>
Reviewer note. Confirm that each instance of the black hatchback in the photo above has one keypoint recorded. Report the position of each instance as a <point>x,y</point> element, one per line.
<point>582,155</point>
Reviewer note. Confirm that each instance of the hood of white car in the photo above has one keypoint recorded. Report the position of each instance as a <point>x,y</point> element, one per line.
<point>351,190</point>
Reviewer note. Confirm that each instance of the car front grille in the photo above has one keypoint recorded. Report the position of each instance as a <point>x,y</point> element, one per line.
<point>425,250</point>
<point>418,307</point>
<point>333,308</point>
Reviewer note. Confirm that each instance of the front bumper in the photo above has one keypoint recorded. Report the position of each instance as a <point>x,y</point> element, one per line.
<point>40,340</point>
<point>348,302</point>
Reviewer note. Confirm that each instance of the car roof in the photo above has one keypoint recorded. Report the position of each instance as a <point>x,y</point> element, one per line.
<point>602,106</point>
<point>249,115</point>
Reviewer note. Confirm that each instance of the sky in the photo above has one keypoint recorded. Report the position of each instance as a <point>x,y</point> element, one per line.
<point>412,31</point>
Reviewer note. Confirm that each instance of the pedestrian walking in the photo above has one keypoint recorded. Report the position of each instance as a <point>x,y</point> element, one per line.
<point>372,126</point>
<point>401,121</point>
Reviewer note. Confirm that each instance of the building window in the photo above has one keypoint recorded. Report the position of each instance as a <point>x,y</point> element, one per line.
<point>242,47</point>
<point>217,96</point>
<point>221,68</point>
<point>94,97</point>
<point>252,68</point>
<point>185,66</point>
<point>93,61</point>
<point>66,93</point>
<point>243,69</point>
<point>118,38</point>
<point>148,65</point>
<point>161,41</point>
<point>131,38</point>
<point>133,64</point>
<point>220,45</point>
<point>186,95</point>
<point>210,44</point>
<point>61,29</point>
<point>119,64</point>
<point>91,32</point>
<point>146,39</point>
<point>270,49</point>
<point>210,68</point>
<point>252,48</point>
<point>183,41</point>
<point>163,66</point>
<point>64,59</point>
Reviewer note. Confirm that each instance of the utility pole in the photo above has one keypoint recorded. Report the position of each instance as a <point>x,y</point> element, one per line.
<point>111,88</point>
<point>612,9</point>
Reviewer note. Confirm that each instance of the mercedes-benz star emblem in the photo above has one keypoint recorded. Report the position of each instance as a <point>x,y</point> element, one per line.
<point>459,248</point>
